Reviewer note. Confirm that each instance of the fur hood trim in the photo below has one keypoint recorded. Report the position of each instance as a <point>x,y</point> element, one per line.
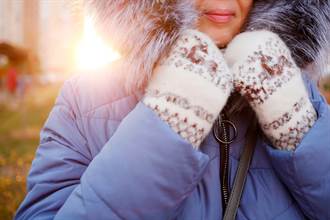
<point>143,31</point>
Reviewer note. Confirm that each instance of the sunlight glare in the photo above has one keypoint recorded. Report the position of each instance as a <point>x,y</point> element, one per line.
<point>93,53</point>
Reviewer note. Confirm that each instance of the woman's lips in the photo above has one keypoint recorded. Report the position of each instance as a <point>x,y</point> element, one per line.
<point>220,16</point>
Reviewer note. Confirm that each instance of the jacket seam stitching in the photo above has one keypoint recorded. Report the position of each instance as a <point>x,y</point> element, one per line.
<point>284,211</point>
<point>196,177</point>
<point>108,205</point>
<point>73,88</point>
<point>104,104</point>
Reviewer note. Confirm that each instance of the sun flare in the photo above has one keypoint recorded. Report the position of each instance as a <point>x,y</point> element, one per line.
<point>92,52</point>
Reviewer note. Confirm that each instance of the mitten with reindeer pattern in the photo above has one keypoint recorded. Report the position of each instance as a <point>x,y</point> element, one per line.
<point>190,86</point>
<point>267,76</point>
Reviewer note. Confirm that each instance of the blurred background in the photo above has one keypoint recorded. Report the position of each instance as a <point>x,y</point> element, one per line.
<point>42,43</point>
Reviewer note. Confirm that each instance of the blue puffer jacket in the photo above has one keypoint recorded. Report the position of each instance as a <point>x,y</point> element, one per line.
<point>105,155</point>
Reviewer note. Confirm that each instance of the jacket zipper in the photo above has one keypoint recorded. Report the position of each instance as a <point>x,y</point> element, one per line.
<point>222,134</point>
<point>224,168</point>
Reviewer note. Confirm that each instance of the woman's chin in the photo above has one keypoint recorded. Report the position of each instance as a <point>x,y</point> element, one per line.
<point>221,37</point>
<point>222,41</point>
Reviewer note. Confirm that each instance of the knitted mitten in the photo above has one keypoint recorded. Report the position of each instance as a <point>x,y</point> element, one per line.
<point>268,77</point>
<point>190,86</point>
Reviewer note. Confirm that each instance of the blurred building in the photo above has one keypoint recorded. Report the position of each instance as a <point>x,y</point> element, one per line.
<point>48,28</point>
<point>11,21</point>
<point>60,28</point>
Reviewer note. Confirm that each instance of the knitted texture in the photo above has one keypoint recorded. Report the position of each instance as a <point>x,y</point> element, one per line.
<point>190,86</point>
<point>267,76</point>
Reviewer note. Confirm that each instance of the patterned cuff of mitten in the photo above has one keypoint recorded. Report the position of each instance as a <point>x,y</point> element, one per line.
<point>287,129</point>
<point>190,87</point>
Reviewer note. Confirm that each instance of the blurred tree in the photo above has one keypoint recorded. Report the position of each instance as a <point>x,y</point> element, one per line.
<point>21,59</point>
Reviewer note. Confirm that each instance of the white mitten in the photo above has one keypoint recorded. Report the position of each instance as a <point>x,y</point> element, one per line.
<point>190,86</point>
<point>268,77</point>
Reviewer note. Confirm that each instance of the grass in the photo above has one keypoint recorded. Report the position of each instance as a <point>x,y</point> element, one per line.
<point>326,87</point>
<point>20,125</point>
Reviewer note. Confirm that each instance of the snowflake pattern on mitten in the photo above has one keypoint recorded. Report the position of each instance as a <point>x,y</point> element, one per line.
<point>190,86</point>
<point>268,77</point>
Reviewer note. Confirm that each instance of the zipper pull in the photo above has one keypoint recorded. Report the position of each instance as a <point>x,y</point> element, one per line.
<point>221,123</point>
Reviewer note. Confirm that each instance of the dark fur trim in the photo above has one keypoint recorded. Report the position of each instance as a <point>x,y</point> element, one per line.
<point>144,30</point>
<point>303,24</point>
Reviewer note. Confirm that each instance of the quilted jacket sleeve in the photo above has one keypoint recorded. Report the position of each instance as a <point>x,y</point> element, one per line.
<point>306,171</point>
<point>144,171</point>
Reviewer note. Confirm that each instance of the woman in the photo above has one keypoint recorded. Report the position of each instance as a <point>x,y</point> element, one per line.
<point>128,144</point>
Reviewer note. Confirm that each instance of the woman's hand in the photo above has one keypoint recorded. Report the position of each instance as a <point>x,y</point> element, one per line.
<point>267,76</point>
<point>190,86</point>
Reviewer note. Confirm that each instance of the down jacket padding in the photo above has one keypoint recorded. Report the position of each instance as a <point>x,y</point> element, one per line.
<point>105,155</point>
